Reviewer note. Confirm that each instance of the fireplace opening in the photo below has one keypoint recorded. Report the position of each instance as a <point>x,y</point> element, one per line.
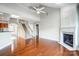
<point>68,39</point>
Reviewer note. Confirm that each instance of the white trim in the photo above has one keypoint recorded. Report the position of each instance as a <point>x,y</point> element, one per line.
<point>66,46</point>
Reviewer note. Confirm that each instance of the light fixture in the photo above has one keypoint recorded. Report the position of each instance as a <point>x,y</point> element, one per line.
<point>1,13</point>
<point>39,9</point>
<point>14,16</point>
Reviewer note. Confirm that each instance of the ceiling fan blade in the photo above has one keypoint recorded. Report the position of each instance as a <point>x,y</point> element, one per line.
<point>43,12</point>
<point>41,8</point>
<point>34,8</point>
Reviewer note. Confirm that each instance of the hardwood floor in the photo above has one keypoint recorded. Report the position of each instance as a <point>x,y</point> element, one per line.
<point>43,48</point>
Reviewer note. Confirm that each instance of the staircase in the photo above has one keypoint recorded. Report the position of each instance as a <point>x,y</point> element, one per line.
<point>29,30</point>
<point>27,43</point>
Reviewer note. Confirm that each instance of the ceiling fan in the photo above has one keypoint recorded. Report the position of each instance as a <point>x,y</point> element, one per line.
<point>39,9</point>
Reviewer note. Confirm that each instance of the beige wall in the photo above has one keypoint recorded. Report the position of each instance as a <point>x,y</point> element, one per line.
<point>21,32</point>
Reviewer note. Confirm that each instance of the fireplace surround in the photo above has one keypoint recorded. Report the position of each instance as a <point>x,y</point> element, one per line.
<point>67,39</point>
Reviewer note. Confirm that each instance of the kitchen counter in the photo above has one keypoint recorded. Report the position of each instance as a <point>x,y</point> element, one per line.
<point>5,39</point>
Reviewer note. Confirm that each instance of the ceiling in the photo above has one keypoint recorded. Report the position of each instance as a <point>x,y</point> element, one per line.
<point>57,5</point>
<point>19,9</point>
<point>22,9</point>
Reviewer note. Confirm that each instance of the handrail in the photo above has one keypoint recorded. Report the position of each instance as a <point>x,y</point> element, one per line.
<point>29,27</point>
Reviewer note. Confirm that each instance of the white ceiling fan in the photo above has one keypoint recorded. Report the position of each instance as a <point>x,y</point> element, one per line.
<point>39,10</point>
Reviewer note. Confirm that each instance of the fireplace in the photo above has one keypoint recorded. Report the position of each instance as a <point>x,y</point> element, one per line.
<point>68,39</point>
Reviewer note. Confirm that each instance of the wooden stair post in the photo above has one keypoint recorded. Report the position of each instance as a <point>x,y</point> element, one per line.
<point>37,35</point>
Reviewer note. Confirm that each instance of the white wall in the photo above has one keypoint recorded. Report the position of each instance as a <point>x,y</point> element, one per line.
<point>49,24</point>
<point>68,16</point>
<point>21,32</point>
